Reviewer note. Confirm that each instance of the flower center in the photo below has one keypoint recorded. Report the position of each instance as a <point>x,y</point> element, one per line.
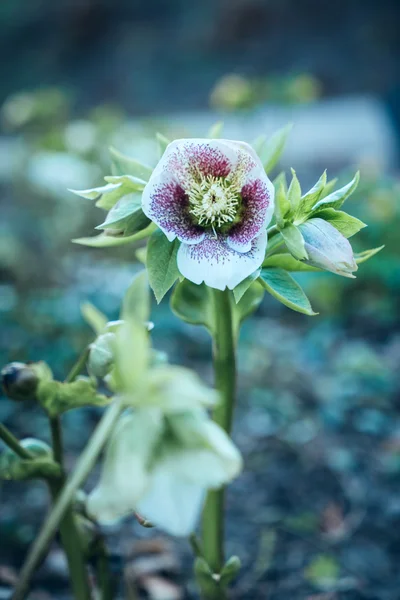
<point>214,202</point>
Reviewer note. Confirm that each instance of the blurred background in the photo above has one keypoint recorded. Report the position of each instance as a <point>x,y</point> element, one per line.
<point>316,514</point>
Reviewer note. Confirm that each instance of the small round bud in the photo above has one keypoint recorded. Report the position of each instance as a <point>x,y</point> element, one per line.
<point>19,381</point>
<point>101,356</point>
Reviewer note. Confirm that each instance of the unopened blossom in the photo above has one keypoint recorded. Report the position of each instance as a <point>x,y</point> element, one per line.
<point>215,198</point>
<point>327,248</point>
<point>162,466</point>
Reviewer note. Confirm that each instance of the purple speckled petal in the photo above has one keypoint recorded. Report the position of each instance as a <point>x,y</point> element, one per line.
<point>258,205</point>
<point>215,263</point>
<point>165,202</point>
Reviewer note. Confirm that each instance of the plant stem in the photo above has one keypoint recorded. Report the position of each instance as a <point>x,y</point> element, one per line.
<point>77,367</point>
<point>11,441</point>
<point>103,574</point>
<point>69,533</point>
<point>82,470</point>
<point>224,348</point>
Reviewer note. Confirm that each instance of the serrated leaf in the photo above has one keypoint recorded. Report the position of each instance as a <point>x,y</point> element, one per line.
<point>93,317</point>
<point>244,285</point>
<point>346,224</point>
<point>361,257</point>
<point>285,289</point>
<point>294,193</point>
<point>294,241</point>
<point>215,130</point>
<point>273,148</point>
<point>104,240</point>
<point>288,263</point>
<point>125,165</point>
<point>313,195</point>
<point>161,264</point>
<point>336,199</point>
<point>136,302</point>
<point>193,304</point>
<point>162,143</point>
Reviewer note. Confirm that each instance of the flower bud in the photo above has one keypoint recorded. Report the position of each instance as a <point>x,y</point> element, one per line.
<point>101,355</point>
<point>19,381</point>
<point>327,248</point>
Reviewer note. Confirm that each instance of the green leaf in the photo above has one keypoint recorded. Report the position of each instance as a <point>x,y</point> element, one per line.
<point>124,165</point>
<point>136,302</point>
<point>106,196</point>
<point>141,254</point>
<point>285,289</point>
<point>274,243</point>
<point>294,193</point>
<point>134,184</point>
<point>258,143</point>
<point>282,204</point>
<point>294,241</point>
<point>40,466</point>
<point>248,303</point>
<point>244,285</point>
<point>193,303</point>
<point>104,240</point>
<point>162,143</point>
<point>361,257</point>
<point>272,150</point>
<point>281,180</point>
<point>313,195</point>
<point>56,397</point>
<point>289,263</point>
<point>323,571</point>
<point>161,263</point>
<point>94,317</point>
<point>329,187</point>
<point>344,223</point>
<point>126,216</point>
<point>336,199</point>
<point>215,130</point>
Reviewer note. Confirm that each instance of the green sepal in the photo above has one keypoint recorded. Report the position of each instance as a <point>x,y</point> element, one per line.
<point>105,240</point>
<point>336,199</point>
<point>285,289</point>
<point>294,241</point>
<point>287,262</point>
<point>271,151</point>
<point>56,397</point>
<point>162,143</point>
<point>40,466</point>
<point>126,216</point>
<point>124,165</point>
<point>361,257</point>
<point>193,304</point>
<point>312,196</point>
<point>230,570</point>
<point>94,317</point>
<point>161,263</point>
<point>346,224</point>
<point>214,133</point>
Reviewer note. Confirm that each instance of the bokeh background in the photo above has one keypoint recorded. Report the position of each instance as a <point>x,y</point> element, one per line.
<point>316,514</point>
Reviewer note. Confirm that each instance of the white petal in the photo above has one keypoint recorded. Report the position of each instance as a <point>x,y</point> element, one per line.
<point>215,263</point>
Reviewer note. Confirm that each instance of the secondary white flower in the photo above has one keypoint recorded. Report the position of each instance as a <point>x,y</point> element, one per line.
<point>162,467</point>
<point>214,196</point>
<point>327,248</point>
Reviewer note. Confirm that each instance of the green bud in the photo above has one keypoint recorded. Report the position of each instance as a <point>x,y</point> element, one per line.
<point>101,355</point>
<point>230,570</point>
<point>41,465</point>
<point>19,381</point>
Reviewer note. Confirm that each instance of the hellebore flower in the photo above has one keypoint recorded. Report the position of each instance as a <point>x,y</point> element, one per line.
<point>327,248</point>
<point>215,198</point>
<point>162,466</point>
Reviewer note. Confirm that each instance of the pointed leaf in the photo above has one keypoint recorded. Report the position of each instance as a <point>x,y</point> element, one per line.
<point>126,216</point>
<point>294,241</point>
<point>93,317</point>
<point>336,199</point>
<point>361,257</point>
<point>273,148</point>
<point>136,302</point>
<point>105,196</point>
<point>215,130</point>
<point>193,303</point>
<point>285,289</point>
<point>103,240</point>
<point>244,285</point>
<point>294,193</point>
<point>346,224</point>
<point>313,195</point>
<point>282,204</point>
<point>125,165</point>
<point>161,263</point>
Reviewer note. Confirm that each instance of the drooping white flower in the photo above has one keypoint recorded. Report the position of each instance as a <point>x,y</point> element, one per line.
<point>214,196</point>
<point>162,467</point>
<point>327,248</point>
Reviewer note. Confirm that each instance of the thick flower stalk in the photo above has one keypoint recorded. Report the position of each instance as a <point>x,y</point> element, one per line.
<point>216,199</point>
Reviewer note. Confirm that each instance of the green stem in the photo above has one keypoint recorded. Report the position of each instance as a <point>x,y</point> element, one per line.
<point>224,348</point>
<point>103,574</point>
<point>69,533</point>
<point>73,483</point>
<point>78,366</point>
<point>11,441</point>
